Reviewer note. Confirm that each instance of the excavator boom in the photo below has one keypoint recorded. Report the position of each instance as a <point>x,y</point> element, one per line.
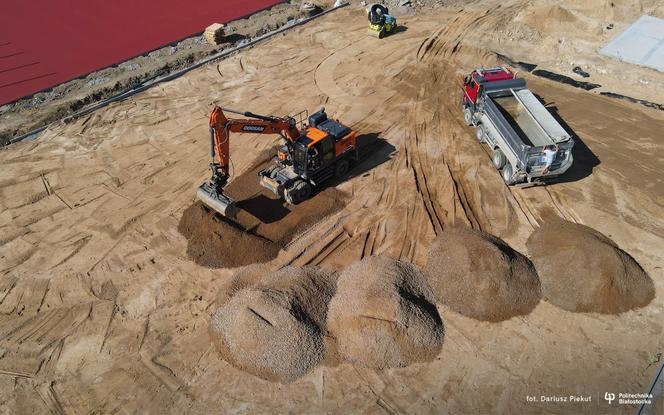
<point>211,193</point>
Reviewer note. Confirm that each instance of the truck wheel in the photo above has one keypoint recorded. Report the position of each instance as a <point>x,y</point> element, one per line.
<point>498,158</point>
<point>381,34</point>
<point>480,133</point>
<point>341,168</point>
<point>467,116</point>
<point>508,174</point>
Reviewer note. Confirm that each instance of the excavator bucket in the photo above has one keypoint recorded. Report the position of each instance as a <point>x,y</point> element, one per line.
<point>216,201</point>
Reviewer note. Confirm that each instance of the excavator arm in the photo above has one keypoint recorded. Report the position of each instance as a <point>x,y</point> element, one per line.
<point>221,127</point>
<point>212,192</point>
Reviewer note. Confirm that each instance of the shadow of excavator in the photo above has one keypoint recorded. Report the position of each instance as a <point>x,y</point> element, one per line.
<point>266,207</point>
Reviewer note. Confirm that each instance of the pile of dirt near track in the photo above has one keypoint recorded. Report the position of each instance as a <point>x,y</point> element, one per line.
<point>217,242</point>
<point>480,276</point>
<point>383,314</point>
<point>584,271</point>
<point>275,329</point>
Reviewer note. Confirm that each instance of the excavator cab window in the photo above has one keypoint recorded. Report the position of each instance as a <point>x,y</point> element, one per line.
<point>326,150</point>
<point>299,157</point>
<point>313,161</point>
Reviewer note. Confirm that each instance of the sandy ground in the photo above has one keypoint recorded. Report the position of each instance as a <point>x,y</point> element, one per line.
<point>101,310</point>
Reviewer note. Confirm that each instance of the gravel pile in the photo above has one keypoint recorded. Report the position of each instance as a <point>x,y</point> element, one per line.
<point>383,314</point>
<point>584,271</point>
<point>480,276</point>
<point>275,328</point>
<point>242,278</point>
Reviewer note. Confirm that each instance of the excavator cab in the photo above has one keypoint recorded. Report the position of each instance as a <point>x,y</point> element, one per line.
<point>309,156</point>
<point>325,140</point>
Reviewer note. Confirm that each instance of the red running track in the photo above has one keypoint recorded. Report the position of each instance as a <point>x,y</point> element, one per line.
<point>46,42</point>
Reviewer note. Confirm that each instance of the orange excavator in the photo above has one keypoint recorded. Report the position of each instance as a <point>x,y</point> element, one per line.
<point>311,155</point>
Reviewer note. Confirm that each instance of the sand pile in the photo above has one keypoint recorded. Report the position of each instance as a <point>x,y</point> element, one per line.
<point>274,329</point>
<point>215,241</point>
<point>480,276</point>
<point>557,13</point>
<point>582,270</point>
<point>383,314</point>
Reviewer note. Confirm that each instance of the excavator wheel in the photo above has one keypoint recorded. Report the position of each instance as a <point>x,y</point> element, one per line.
<point>341,168</point>
<point>300,192</point>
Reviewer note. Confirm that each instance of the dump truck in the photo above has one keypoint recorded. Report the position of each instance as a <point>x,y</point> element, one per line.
<point>529,146</point>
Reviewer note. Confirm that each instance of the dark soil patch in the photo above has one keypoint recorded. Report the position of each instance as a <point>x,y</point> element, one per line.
<point>216,242</point>
<point>264,224</point>
<point>563,79</point>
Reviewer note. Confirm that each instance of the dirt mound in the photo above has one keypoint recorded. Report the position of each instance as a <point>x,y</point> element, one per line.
<point>217,242</point>
<point>538,17</point>
<point>264,223</point>
<point>383,314</point>
<point>584,271</point>
<point>275,329</point>
<point>480,276</point>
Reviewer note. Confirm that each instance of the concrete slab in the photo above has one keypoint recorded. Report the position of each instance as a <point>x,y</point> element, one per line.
<point>642,43</point>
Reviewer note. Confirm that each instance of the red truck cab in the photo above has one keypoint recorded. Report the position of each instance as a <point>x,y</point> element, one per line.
<point>474,81</point>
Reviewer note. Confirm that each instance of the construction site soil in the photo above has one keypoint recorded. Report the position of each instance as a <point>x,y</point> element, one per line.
<point>263,225</point>
<point>480,276</point>
<point>103,310</point>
